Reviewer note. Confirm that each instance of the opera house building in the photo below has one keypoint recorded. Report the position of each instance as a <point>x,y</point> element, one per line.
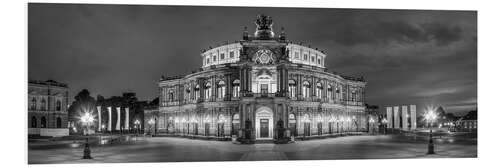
<point>261,88</point>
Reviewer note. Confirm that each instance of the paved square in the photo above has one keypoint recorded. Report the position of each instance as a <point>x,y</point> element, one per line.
<point>170,149</point>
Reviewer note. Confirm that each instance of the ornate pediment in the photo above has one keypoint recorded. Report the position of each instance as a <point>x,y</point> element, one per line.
<point>264,56</point>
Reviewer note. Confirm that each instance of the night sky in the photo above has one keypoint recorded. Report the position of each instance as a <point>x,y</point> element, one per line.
<point>406,56</point>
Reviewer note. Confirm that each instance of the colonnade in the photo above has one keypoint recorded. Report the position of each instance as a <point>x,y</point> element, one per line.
<point>398,119</point>
<point>118,125</point>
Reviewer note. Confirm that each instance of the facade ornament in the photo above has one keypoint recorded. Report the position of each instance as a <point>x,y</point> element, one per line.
<point>264,56</point>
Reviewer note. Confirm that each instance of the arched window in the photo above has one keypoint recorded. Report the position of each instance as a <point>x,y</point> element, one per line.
<point>43,105</point>
<point>329,92</point>
<point>306,88</point>
<point>33,122</point>
<point>292,86</point>
<point>33,104</point>
<point>319,89</point>
<point>221,89</point>
<point>197,91</point>
<point>208,90</point>
<point>170,95</point>
<point>236,88</point>
<point>43,122</point>
<point>187,96</point>
<point>58,105</point>
<point>353,95</point>
<point>337,92</point>
<point>58,122</point>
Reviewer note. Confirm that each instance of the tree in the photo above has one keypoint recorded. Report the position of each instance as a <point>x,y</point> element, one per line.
<point>83,103</point>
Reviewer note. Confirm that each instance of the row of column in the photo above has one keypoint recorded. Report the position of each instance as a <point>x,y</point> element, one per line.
<point>398,119</point>
<point>110,116</point>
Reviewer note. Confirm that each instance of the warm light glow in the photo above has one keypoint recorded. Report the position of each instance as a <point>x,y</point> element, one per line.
<point>151,121</point>
<point>430,115</point>
<point>87,118</point>
<point>137,122</point>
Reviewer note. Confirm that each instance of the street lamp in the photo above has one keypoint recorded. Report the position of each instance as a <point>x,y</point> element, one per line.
<point>371,124</point>
<point>87,119</point>
<point>348,120</point>
<point>384,122</point>
<point>342,119</point>
<point>137,126</point>
<point>337,120</point>
<point>430,116</point>
<point>151,122</point>
<point>354,122</point>
<point>183,123</point>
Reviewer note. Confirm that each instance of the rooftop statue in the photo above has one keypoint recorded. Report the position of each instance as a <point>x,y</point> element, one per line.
<point>264,27</point>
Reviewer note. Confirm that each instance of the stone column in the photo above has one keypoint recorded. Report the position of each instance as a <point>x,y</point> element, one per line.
<point>404,116</point>
<point>413,115</point>
<point>109,119</point>
<point>126,118</point>
<point>396,117</point>
<point>99,118</point>
<point>389,117</point>
<point>117,118</point>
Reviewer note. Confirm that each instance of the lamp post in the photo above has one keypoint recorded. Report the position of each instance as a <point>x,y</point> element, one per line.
<point>342,125</point>
<point>430,116</point>
<point>87,119</point>
<point>183,123</point>
<point>102,132</point>
<point>384,122</point>
<point>354,122</point>
<point>137,127</point>
<point>371,121</point>
<point>337,120</point>
<point>348,119</point>
<point>151,122</point>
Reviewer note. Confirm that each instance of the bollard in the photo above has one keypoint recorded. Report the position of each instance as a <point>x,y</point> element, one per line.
<point>86,150</point>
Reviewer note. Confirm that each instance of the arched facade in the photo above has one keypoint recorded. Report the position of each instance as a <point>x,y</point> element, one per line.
<point>260,82</point>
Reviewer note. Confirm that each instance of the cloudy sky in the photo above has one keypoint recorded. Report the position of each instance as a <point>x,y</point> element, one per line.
<point>407,56</point>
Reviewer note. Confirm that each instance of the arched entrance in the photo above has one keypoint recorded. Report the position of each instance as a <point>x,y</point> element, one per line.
<point>264,123</point>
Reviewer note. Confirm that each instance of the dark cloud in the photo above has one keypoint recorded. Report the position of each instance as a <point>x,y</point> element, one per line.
<point>407,56</point>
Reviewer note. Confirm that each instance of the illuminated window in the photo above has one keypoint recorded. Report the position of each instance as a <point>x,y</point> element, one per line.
<point>306,88</point>
<point>291,88</point>
<point>208,90</point>
<point>221,89</point>
<point>197,92</point>
<point>329,93</point>
<point>319,88</point>
<point>236,88</point>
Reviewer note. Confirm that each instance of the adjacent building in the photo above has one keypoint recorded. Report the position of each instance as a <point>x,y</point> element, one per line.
<point>47,108</point>
<point>263,87</point>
